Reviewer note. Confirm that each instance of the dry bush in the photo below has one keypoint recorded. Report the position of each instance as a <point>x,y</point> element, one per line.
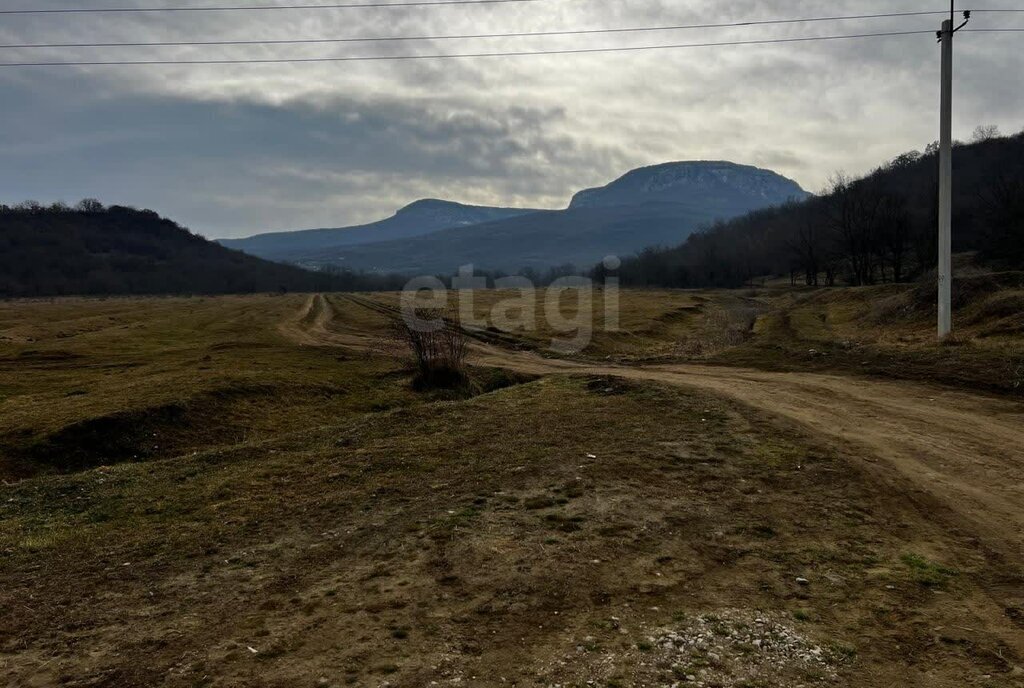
<point>904,306</point>
<point>999,306</point>
<point>723,328</point>
<point>957,338</point>
<point>438,352</point>
<point>966,290</point>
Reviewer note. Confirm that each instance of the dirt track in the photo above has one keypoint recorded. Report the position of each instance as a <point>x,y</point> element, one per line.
<point>311,326</point>
<point>958,452</point>
<point>965,450</point>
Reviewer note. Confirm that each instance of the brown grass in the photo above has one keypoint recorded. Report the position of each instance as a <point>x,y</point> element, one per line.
<point>305,502</point>
<point>478,538</point>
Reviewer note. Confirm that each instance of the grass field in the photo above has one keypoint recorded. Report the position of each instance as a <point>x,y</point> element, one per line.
<point>248,492</point>
<point>886,330</point>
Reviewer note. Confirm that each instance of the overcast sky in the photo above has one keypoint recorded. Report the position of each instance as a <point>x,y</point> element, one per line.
<point>241,149</point>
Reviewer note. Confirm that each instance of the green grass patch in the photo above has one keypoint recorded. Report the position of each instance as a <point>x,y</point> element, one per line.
<point>927,573</point>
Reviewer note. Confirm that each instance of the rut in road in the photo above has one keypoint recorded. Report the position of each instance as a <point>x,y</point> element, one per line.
<point>959,452</point>
<point>312,326</point>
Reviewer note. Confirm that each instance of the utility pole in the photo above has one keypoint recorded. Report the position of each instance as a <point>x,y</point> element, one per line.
<point>945,268</point>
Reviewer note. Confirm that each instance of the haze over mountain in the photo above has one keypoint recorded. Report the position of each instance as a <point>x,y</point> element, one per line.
<point>422,217</point>
<point>658,205</point>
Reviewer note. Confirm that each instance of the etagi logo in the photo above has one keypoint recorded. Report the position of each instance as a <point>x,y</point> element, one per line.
<point>566,308</point>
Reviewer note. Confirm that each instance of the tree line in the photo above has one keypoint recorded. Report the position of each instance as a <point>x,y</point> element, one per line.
<point>92,249</point>
<point>878,228</point>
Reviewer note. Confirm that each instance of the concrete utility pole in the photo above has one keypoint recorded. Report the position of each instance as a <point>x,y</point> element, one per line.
<point>945,270</point>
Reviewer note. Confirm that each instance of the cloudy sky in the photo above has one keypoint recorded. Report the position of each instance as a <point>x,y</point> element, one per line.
<point>233,150</point>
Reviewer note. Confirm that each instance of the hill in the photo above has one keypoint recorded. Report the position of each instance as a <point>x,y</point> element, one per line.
<point>57,250</point>
<point>579,236</point>
<point>723,184</point>
<point>415,219</point>
<point>658,205</point>
<point>878,228</point>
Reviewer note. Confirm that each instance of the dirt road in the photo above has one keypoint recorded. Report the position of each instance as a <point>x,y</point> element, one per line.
<point>964,450</point>
<point>315,325</point>
<point>959,453</point>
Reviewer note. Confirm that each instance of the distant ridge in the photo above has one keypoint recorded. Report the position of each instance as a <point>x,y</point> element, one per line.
<point>651,206</point>
<point>416,219</point>
<point>715,182</point>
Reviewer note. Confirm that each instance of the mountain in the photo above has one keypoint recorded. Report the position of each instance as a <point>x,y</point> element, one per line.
<point>580,236</point>
<point>723,184</point>
<point>53,251</point>
<point>416,219</point>
<point>874,229</point>
<point>659,205</point>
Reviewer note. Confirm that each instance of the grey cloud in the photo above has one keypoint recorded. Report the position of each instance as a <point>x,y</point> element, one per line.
<point>259,165</point>
<point>239,149</point>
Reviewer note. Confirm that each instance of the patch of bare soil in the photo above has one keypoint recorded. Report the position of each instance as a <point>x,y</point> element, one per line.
<point>729,648</point>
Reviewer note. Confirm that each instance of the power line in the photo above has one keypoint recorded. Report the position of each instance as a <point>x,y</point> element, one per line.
<point>404,3</point>
<point>518,34</point>
<point>238,8</point>
<point>523,53</point>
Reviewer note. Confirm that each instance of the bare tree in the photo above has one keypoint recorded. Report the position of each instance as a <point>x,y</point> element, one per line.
<point>89,205</point>
<point>808,247</point>
<point>1002,205</point>
<point>439,347</point>
<point>852,211</point>
<point>894,232</point>
<point>985,132</point>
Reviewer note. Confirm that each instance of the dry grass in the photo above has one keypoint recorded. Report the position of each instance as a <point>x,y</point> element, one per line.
<point>478,538</point>
<point>307,503</point>
<point>889,331</point>
<point>886,330</point>
<point>100,381</point>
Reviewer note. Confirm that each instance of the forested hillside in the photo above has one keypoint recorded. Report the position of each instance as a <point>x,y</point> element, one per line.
<point>860,231</point>
<point>91,250</point>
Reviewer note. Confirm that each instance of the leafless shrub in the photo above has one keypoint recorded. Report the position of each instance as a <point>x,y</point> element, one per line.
<point>956,339</point>
<point>965,291</point>
<point>438,347</point>
<point>723,328</point>
<point>890,308</point>
<point>1004,305</point>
